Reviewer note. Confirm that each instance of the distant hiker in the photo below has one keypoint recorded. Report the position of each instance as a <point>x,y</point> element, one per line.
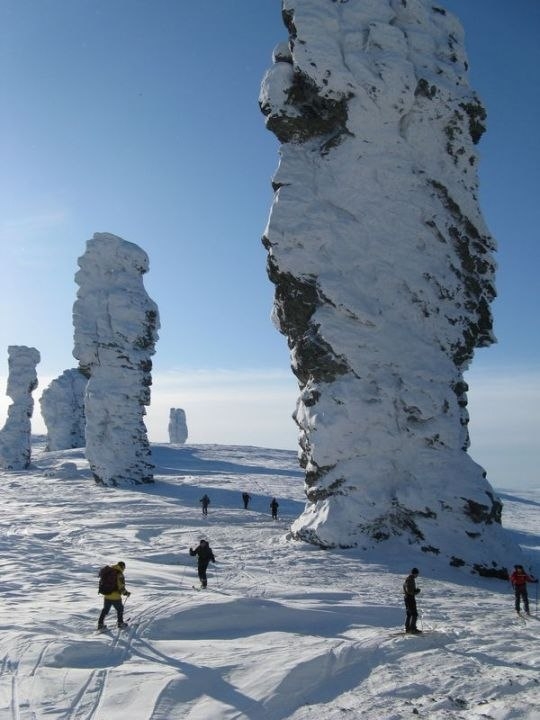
<point>112,586</point>
<point>205,502</point>
<point>205,554</point>
<point>246,497</point>
<point>410,591</point>
<point>519,580</point>
<point>273,507</point>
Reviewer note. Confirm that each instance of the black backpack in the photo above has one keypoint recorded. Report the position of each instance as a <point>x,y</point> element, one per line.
<point>107,580</point>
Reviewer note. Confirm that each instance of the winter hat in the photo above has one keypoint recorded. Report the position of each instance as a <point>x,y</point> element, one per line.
<point>414,571</point>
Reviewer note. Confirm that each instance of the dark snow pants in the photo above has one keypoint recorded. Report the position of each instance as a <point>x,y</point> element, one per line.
<point>201,571</point>
<point>412,613</point>
<point>520,592</point>
<point>107,605</point>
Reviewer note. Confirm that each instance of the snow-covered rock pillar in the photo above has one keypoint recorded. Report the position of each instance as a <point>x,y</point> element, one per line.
<point>62,409</point>
<point>384,272</point>
<point>178,432</point>
<point>15,436</point>
<point>115,331</point>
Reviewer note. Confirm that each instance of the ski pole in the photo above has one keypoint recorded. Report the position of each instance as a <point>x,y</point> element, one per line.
<point>534,576</point>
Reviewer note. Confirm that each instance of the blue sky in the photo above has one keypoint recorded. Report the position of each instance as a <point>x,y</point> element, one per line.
<point>140,118</point>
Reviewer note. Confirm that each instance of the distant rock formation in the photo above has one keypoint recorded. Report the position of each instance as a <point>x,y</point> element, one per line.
<point>384,272</point>
<point>15,436</point>
<point>115,331</point>
<point>62,409</point>
<point>178,432</point>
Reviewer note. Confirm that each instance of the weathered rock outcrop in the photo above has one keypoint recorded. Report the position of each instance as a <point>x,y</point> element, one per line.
<point>384,272</point>
<point>115,333</point>
<point>62,409</point>
<point>178,432</point>
<point>15,436</point>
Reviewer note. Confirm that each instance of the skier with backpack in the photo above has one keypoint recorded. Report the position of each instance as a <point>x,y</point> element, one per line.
<point>112,586</point>
<point>205,554</point>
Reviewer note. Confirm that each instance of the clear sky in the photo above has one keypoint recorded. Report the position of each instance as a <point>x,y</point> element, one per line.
<point>140,118</point>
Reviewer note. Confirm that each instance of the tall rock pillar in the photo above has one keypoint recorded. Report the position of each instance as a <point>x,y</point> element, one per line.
<point>178,431</point>
<point>62,408</point>
<point>384,273</point>
<point>15,436</point>
<point>115,331</point>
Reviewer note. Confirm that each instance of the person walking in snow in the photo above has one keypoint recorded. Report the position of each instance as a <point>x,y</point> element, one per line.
<point>273,507</point>
<point>113,598</point>
<point>205,502</point>
<point>205,554</point>
<point>410,591</point>
<point>519,580</point>
<point>246,497</point>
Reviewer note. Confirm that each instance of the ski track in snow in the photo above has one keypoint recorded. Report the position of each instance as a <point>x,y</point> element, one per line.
<point>284,630</point>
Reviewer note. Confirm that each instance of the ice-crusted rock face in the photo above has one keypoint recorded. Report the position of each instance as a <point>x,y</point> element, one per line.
<point>384,272</point>
<point>115,331</point>
<point>62,408</point>
<point>15,436</point>
<point>178,432</point>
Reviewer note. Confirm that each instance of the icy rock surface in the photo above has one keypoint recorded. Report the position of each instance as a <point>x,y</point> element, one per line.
<point>62,409</point>
<point>178,432</point>
<point>15,436</point>
<point>115,331</point>
<point>384,271</point>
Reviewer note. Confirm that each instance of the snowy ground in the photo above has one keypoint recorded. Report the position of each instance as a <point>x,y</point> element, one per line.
<point>285,630</point>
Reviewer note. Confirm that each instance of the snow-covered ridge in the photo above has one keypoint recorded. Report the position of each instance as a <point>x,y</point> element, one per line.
<point>384,272</point>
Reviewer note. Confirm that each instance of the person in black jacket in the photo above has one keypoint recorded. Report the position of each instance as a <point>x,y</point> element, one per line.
<point>410,591</point>
<point>205,554</point>
<point>205,502</point>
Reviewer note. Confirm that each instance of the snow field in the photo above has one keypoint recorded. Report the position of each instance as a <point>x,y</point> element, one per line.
<point>285,630</point>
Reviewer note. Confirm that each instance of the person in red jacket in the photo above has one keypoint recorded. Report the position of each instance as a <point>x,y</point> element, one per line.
<point>519,580</point>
